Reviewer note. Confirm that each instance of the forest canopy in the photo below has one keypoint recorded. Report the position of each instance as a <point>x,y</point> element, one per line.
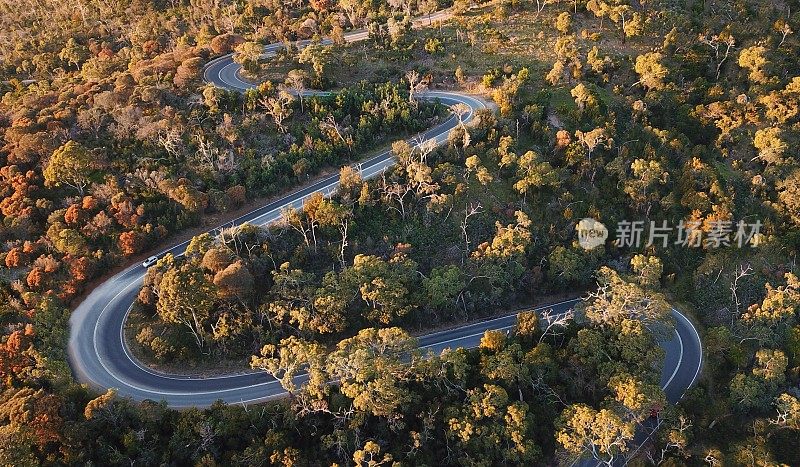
<point>113,146</point>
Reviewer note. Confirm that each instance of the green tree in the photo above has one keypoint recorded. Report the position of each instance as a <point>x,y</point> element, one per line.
<point>319,57</point>
<point>443,285</point>
<point>747,392</point>
<point>17,446</point>
<point>385,286</point>
<point>568,266</point>
<point>324,311</point>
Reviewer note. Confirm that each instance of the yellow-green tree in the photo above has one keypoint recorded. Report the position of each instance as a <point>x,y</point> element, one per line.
<point>754,60</point>
<point>248,54</point>
<point>510,240</point>
<point>648,270</point>
<point>767,321</point>
<point>490,429</point>
<point>651,71</point>
<point>769,144</point>
<point>294,362</point>
<point>563,22</point>
<point>602,435</point>
<point>636,399</point>
<point>70,165</point>
<point>371,370</point>
<point>533,172</point>
<point>186,296</point>
<point>384,286</point>
<point>618,299</point>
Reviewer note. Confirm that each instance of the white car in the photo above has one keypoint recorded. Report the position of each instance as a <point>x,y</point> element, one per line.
<point>150,261</point>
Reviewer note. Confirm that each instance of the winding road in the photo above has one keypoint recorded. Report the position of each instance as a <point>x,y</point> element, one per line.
<point>100,358</point>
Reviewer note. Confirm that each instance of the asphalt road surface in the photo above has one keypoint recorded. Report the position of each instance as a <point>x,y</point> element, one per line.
<point>100,358</point>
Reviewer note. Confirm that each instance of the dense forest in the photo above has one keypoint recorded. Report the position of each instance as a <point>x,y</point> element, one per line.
<point>663,111</point>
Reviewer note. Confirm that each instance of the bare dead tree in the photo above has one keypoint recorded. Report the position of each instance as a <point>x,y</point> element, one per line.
<point>279,108</point>
<point>294,218</point>
<point>207,436</point>
<point>470,210</point>
<point>555,322</point>
<point>540,386</point>
<point>210,157</point>
<point>342,226</point>
<point>459,110</point>
<point>229,236</point>
<point>721,44</point>
<point>423,147</point>
<point>330,124</point>
<point>740,273</point>
<point>785,417</point>
<point>171,141</point>
<point>712,460</point>
<point>296,79</point>
<point>785,30</point>
<point>540,4</point>
<point>415,84</point>
<point>395,192</point>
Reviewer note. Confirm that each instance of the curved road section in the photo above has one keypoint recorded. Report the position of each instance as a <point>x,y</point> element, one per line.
<point>100,358</point>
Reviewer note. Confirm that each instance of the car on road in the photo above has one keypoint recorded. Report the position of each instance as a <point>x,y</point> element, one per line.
<point>150,261</point>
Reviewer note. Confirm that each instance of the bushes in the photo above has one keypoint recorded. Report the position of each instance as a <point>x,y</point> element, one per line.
<point>160,349</point>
